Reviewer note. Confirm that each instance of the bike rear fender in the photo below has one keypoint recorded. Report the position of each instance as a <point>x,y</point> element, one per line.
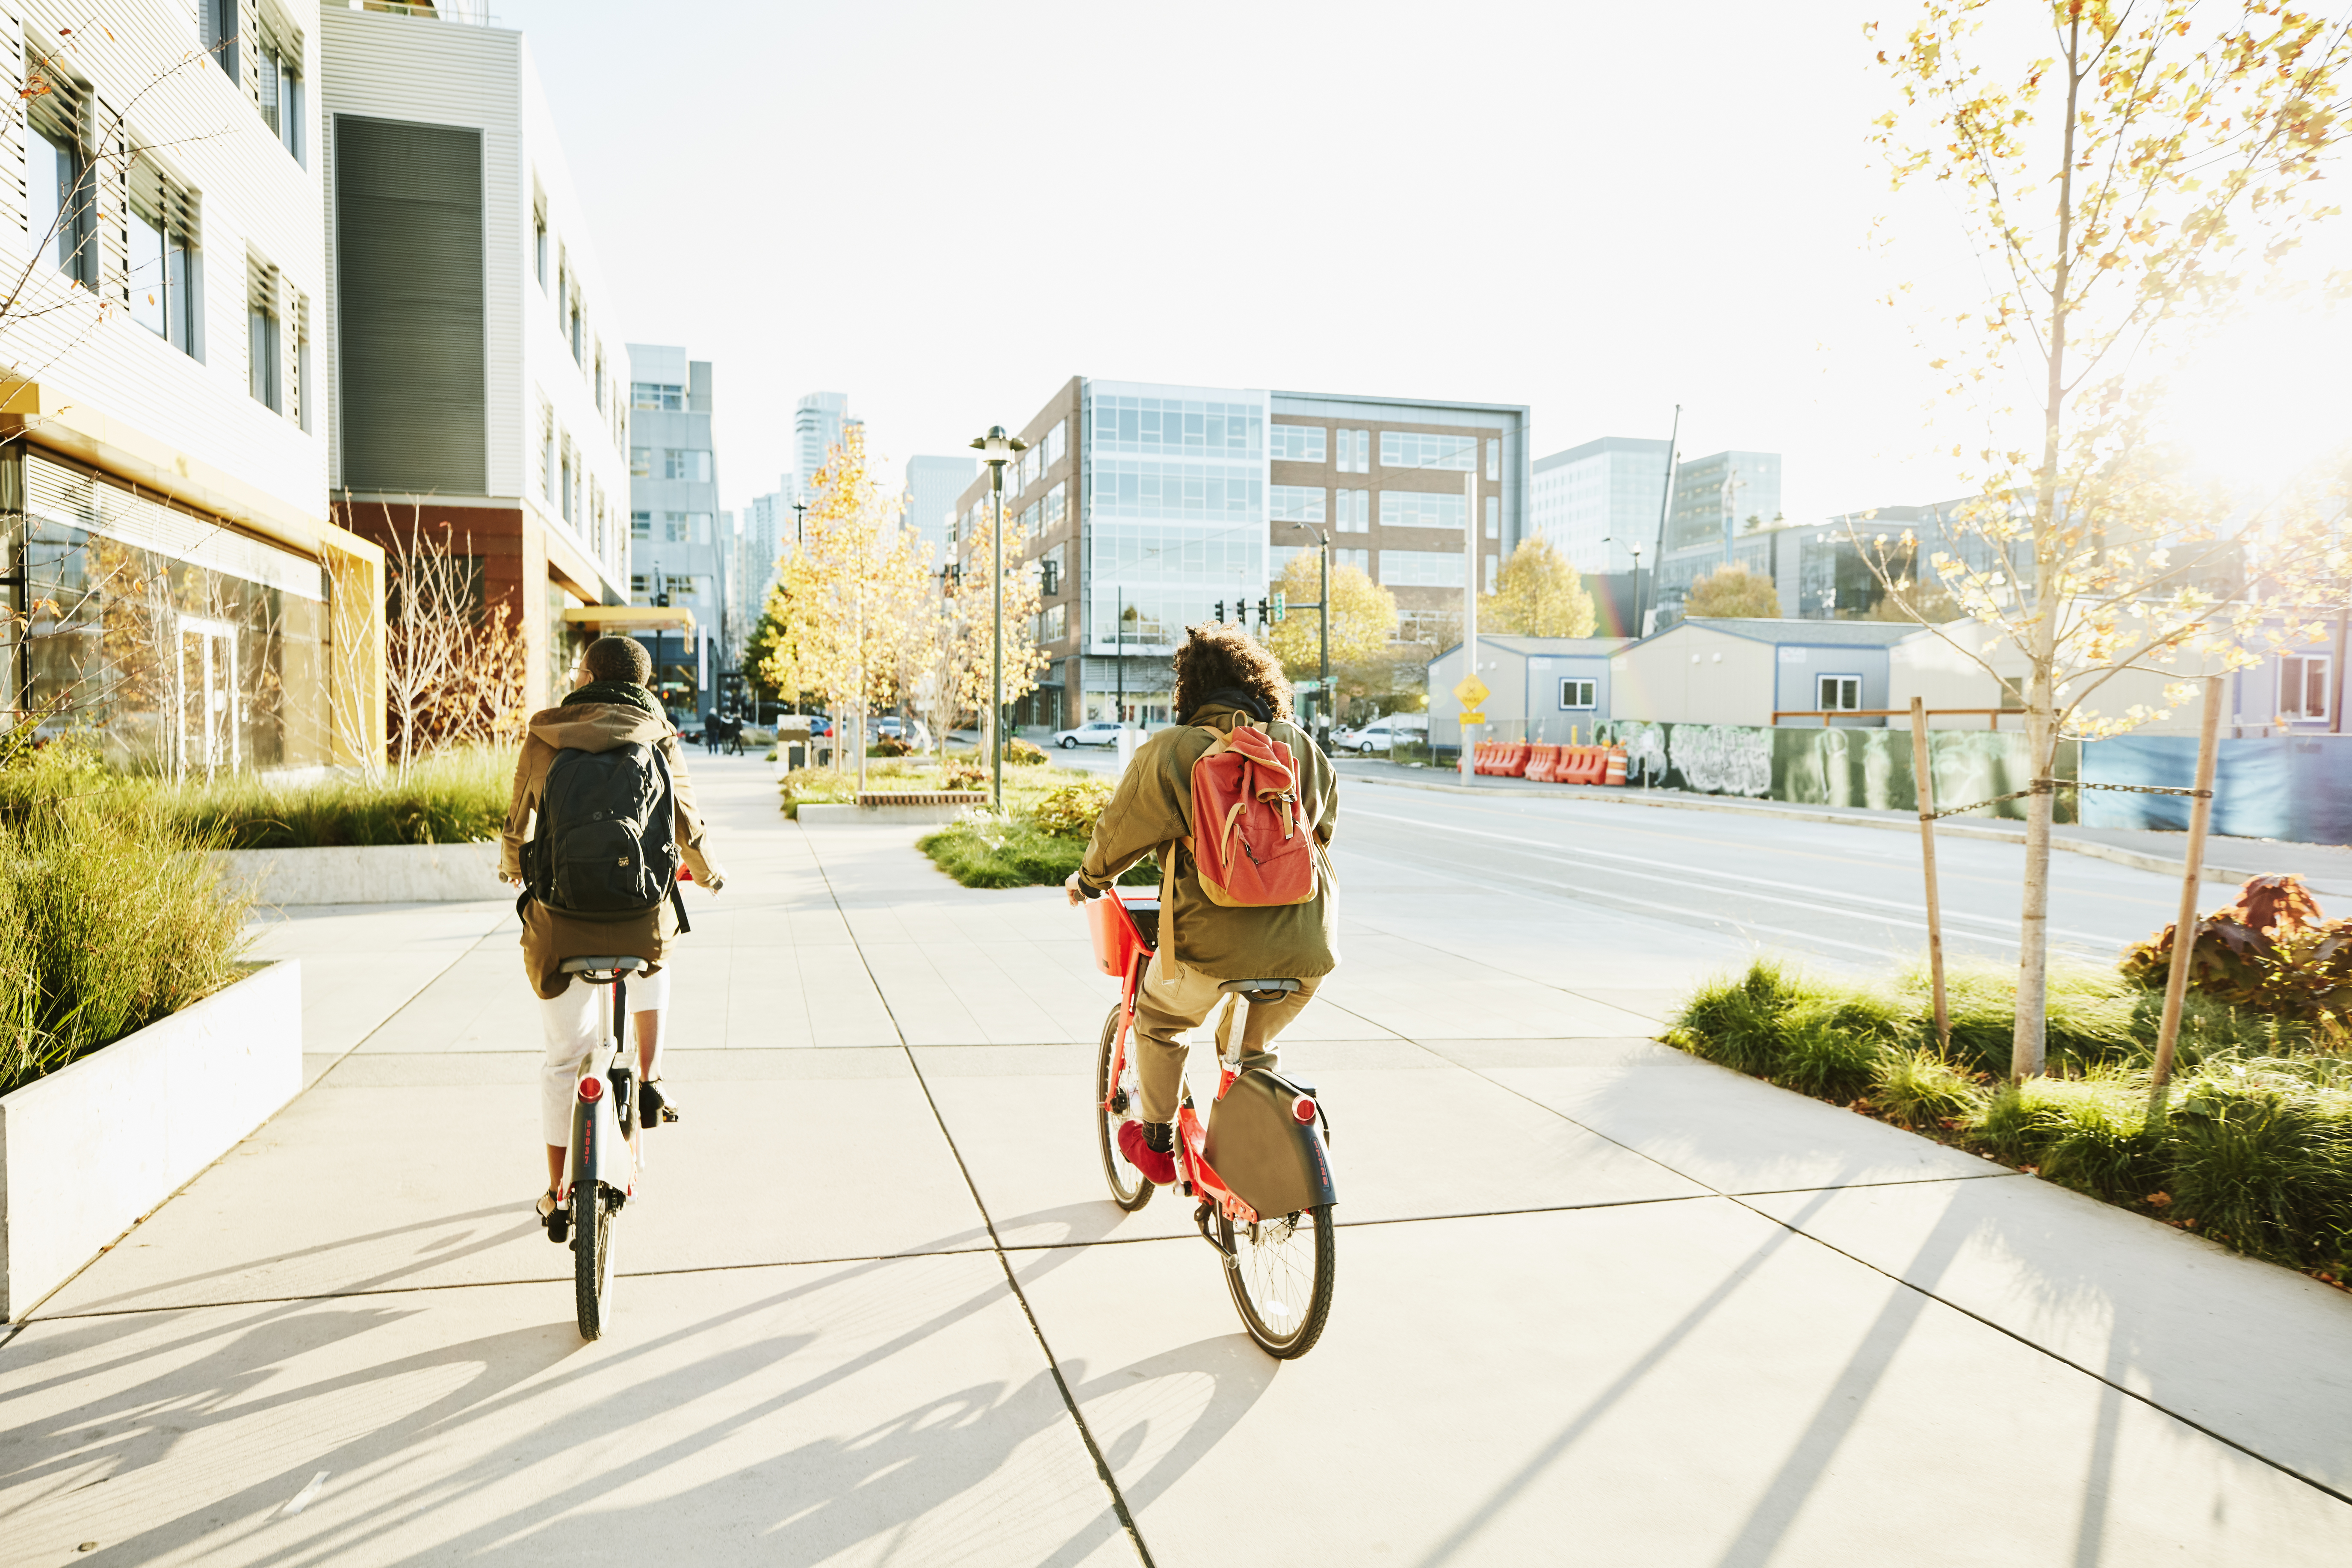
<point>1270,1160</point>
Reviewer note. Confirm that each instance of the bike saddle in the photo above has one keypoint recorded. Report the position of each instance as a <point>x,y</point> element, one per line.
<point>1260,990</point>
<point>621,965</point>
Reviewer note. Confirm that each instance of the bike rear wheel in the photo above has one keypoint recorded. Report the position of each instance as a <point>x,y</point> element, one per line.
<point>591,1257</point>
<point>1114,1104</point>
<point>1280,1271</point>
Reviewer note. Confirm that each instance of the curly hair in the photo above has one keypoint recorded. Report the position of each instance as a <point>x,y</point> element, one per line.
<point>1217,656</point>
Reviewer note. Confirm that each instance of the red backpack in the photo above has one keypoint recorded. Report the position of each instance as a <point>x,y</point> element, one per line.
<point>1253,839</point>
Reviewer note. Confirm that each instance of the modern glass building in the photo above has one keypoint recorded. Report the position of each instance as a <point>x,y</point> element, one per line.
<point>816,430</point>
<point>678,555</point>
<point>1145,507</point>
<point>934,484</point>
<point>1599,503</point>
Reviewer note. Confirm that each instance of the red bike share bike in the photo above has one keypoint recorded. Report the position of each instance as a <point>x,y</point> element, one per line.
<point>1259,1167</point>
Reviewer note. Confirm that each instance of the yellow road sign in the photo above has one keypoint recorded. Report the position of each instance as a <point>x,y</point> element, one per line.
<point>1473,716</point>
<point>1471,691</point>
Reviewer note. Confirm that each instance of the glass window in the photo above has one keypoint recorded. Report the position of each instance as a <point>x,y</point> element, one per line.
<point>1420,568</point>
<point>686,463</point>
<point>163,238</point>
<point>262,345</point>
<point>1154,426</point>
<point>1054,507</point>
<point>1837,693</point>
<point>563,490</point>
<point>1421,449</point>
<point>2302,685</point>
<point>1362,560</point>
<point>1355,451</point>
<point>673,528</point>
<point>1177,490</point>
<point>641,526</point>
<point>1294,503</point>
<point>1056,444</point>
<point>1494,564</point>
<point>699,526</point>
<point>1494,517</point>
<point>1278,558</point>
<point>539,245</point>
<point>656,395</point>
<point>1579,694</point>
<point>1424,508</point>
<point>278,81</point>
<point>1052,622</point>
<point>1494,460</point>
<point>1296,443</point>
<point>637,581</point>
<point>61,201</point>
<point>1353,511</point>
<point>641,462</point>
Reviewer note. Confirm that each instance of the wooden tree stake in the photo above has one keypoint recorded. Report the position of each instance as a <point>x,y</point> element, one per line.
<point>2184,930</point>
<point>1924,782</point>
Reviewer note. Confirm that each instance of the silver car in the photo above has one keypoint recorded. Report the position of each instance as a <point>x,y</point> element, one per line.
<point>1093,733</point>
<point>1382,734</point>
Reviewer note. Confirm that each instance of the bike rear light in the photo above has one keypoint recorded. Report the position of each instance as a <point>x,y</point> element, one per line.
<point>592,1089</point>
<point>1304,1110</point>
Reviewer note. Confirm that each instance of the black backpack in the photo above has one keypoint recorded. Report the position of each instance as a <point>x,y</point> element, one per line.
<point>605,845</point>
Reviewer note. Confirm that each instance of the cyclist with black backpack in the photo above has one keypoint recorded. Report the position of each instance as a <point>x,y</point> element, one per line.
<point>602,818</point>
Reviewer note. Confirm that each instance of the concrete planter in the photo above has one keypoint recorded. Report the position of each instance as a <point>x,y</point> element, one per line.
<point>928,814</point>
<point>87,1151</point>
<point>369,874</point>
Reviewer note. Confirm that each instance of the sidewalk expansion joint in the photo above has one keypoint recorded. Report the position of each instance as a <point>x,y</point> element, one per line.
<point>2007,1333</point>
<point>996,1243</point>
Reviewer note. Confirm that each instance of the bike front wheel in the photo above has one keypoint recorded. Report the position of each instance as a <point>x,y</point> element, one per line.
<point>591,1257</point>
<point>1115,1103</point>
<point>1280,1271</point>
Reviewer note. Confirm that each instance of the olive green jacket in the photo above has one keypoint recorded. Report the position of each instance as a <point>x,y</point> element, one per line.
<point>1153,806</point>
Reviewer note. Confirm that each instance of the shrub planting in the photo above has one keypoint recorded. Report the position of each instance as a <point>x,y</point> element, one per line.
<point>2255,1151</point>
<point>110,916</point>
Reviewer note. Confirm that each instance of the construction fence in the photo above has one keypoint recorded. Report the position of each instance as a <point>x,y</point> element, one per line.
<point>1854,767</point>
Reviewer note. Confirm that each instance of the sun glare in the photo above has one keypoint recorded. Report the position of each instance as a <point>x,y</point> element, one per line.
<point>2269,397</point>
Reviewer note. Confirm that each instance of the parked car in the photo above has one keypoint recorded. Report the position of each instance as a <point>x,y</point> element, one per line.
<point>1093,733</point>
<point>1382,734</point>
<point>910,731</point>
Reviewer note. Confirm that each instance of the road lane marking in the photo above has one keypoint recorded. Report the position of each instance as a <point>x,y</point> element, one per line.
<point>302,1499</point>
<point>1491,807</point>
<point>2004,930</point>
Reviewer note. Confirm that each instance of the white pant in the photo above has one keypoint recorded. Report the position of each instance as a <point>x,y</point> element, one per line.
<point>575,1024</point>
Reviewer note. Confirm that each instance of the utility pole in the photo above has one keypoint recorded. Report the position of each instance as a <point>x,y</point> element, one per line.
<point>1666,505</point>
<point>996,449</point>
<point>799,509</point>
<point>1470,563</point>
<point>1118,659</point>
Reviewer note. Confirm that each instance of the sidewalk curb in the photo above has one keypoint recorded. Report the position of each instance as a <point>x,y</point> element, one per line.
<point>2097,851</point>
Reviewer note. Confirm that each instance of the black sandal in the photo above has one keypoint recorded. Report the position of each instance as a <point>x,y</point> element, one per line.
<point>555,1216</point>
<point>653,1106</point>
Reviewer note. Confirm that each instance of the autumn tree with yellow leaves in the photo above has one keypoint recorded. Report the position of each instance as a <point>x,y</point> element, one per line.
<point>1538,594</point>
<point>960,665</point>
<point>853,602</point>
<point>1363,627</point>
<point>2117,188</point>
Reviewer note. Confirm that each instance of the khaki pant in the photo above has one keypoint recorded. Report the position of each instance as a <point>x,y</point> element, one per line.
<point>1176,998</point>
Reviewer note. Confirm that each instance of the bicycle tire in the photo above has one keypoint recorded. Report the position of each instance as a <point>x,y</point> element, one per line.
<point>592,1258</point>
<point>1129,1189</point>
<point>1265,1276</point>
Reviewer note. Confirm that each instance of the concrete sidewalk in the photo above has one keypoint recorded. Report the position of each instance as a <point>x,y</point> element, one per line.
<point>1598,1302</point>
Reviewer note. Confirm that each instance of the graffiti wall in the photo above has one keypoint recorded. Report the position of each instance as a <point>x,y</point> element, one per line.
<point>1836,767</point>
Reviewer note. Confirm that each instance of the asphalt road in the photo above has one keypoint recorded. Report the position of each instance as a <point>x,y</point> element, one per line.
<point>1854,894</point>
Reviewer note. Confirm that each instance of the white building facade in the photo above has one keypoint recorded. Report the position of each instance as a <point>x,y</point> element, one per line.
<point>479,386</point>
<point>184,599</point>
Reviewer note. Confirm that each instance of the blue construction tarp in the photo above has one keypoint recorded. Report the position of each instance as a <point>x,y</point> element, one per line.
<point>2294,787</point>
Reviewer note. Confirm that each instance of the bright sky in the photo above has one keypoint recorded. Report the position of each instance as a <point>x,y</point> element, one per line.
<point>945,210</point>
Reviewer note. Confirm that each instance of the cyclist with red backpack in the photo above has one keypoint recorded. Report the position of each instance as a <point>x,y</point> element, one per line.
<point>1238,802</point>
<point>602,818</point>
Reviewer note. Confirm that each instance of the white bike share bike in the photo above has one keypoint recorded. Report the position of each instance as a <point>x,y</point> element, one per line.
<point>604,1159</point>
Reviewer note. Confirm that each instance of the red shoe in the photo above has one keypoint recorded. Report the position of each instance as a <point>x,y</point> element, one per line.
<point>1157,1167</point>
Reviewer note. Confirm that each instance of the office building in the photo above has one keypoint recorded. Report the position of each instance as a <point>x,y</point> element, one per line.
<point>1599,504</point>
<point>1723,505</point>
<point>1146,505</point>
<point>479,394</point>
<point>680,552</point>
<point>175,587</point>
<point>817,423</point>
<point>933,485</point>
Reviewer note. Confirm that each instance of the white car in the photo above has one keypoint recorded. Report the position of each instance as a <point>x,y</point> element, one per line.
<point>1382,734</point>
<point>1093,733</point>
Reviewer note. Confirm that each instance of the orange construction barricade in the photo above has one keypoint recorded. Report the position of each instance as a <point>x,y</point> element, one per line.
<point>1539,765</point>
<point>1616,773</point>
<point>1588,765</point>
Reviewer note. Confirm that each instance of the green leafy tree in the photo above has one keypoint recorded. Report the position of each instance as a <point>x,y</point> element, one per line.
<point>1538,594</point>
<point>1733,592</point>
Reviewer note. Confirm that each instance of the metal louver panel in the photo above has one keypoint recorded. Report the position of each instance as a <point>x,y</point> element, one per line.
<point>74,499</point>
<point>411,370</point>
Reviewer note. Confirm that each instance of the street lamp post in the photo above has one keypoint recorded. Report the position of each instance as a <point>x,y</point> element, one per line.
<point>996,449</point>
<point>799,509</point>
<point>1323,704</point>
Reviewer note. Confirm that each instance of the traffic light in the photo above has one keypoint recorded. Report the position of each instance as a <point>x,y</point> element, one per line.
<point>1051,571</point>
<point>661,600</point>
<point>1220,610</point>
<point>1280,607</point>
<point>1264,611</point>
